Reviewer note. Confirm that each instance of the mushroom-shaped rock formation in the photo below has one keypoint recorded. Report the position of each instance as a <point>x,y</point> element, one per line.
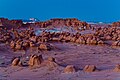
<point>35,60</point>
<point>89,68</point>
<point>69,69</point>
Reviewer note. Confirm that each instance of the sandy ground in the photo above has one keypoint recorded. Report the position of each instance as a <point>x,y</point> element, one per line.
<point>104,57</point>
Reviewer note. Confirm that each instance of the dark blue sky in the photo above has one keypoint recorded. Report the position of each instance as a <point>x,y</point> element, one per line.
<point>87,10</point>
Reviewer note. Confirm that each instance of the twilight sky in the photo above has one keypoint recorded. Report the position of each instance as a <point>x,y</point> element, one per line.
<point>87,10</point>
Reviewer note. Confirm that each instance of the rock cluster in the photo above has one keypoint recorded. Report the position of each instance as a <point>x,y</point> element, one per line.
<point>69,22</point>
<point>78,38</point>
<point>22,39</point>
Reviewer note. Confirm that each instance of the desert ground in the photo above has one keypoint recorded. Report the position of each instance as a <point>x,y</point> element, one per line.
<point>104,57</point>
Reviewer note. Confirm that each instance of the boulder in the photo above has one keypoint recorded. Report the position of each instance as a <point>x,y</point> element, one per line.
<point>16,62</point>
<point>81,41</point>
<point>117,68</point>
<point>115,43</point>
<point>33,38</point>
<point>69,69</point>
<point>88,41</point>
<point>93,42</point>
<point>35,60</point>
<point>55,39</point>
<point>32,44</point>
<point>25,44</point>
<point>45,46</point>
<point>100,42</point>
<point>89,68</point>
<point>51,63</point>
<point>12,44</point>
<point>51,59</point>
<point>108,37</point>
<point>18,47</point>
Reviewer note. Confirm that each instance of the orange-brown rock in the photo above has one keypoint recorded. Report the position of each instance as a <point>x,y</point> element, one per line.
<point>33,38</point>
<point>12,44</point>
<point>108,37</point>
<point>51,63</point>
<point>117,68</point>
<point>81,40</point>
<point>55,39</point>
<point>16,62</point>
<point>51,59</point>
<point>25,44</point>
<point>115,43</point>
<point>45,46</point>
<point>35,60</point>
<point>100,42</point>
<point>69,69</point>
<point>32,44</point>
<point>18,47</point>
<point>93,41</point>
<point>89,68</point>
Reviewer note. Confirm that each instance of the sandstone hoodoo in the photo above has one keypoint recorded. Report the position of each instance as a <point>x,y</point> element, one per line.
<point>69,69</point>
<point>117,68</point>
<point>32,44</point>
<point>12,44</point>
<point>35,60</point>
<point>89,68</point>
<point>116,43</point>
<point>45,46</point>
<point>16,62</point>
<point>51,59</point>
<point>51,63</point>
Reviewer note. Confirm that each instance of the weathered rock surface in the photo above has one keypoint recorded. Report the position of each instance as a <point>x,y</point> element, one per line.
<point>16,62</point>
<point>35,60</point>
<point>89,68</point>
<point>117,68</point>
<point>69,69</point>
